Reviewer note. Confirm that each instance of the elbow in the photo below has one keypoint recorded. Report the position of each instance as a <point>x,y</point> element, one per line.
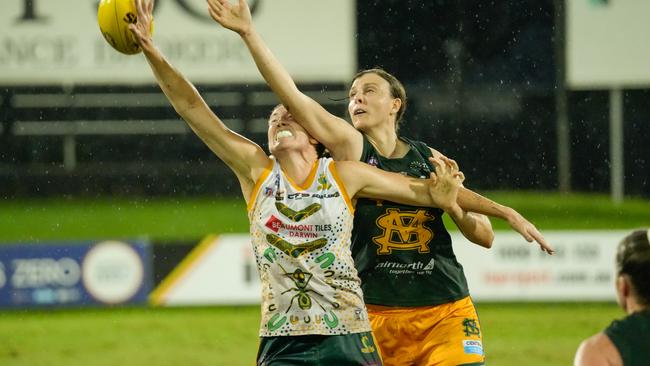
<point>483,232</point>
<point>483,239</point>
<point>488,236</point>
<point>488,240</point>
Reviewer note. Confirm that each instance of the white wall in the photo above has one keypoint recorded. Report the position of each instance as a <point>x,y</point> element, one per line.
<point>314,39</point>
<point>607,44</point>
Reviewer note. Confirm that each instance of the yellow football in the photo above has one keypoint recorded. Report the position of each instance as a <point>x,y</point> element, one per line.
<point>114,17</point>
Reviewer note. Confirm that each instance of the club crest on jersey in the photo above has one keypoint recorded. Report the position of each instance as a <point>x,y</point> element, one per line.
<point>403,230</point>
<point>420,167</point>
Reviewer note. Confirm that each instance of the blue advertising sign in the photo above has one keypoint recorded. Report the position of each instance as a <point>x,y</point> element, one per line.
<point>108,272</point>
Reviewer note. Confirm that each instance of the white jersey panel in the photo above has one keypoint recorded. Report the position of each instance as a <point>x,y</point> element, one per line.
<point>301,239</point>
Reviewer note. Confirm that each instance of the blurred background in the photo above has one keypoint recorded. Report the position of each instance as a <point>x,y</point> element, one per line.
<point>487,85</point>
<point>545,104</point>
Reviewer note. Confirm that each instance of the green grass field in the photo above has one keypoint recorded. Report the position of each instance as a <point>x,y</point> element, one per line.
<point>48,219</point>
<point>514,334</point>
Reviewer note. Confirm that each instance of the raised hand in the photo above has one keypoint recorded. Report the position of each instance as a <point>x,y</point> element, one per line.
<point>234,17</point>
<point>143,27</point>
<point>445,183</point>
<point>528,231</point>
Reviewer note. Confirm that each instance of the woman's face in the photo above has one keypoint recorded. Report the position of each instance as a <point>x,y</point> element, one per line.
<point>371,103</point>
<point>284,132</point>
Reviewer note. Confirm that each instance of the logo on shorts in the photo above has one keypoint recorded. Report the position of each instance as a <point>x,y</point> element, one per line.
<point>470,327</point>
<point>368,347</point>
<point>472,346</point>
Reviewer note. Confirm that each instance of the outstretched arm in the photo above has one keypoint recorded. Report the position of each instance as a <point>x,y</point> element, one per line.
<point>475,203</point>
<point>440,190</point>
<point>342,140</point>
<point>243,156</point>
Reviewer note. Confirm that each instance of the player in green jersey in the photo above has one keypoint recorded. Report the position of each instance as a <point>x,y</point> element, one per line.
<point>625,342</point>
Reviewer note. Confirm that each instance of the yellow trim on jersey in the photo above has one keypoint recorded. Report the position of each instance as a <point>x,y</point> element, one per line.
<point>308,181</point>
<point>158,296</point>
<point>339,182</point>
<point>258,184</point>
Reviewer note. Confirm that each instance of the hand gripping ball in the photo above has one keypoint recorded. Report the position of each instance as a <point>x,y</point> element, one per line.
<point>114,17</point>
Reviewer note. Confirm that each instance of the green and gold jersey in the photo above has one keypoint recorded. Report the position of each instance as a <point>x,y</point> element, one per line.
<point>403,253</point>
<point>301,239</point>
<point>631,336</point>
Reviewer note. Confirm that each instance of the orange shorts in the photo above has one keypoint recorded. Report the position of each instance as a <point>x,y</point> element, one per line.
<point>442,335</point>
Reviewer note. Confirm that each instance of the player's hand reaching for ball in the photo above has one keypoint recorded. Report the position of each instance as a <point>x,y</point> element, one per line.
<point>142,28</point>
<point>445,183</point>
<point>237,18</point>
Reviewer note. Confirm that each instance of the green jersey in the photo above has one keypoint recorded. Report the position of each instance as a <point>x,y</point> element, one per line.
<point>403,253</point>
<point>631,336</point>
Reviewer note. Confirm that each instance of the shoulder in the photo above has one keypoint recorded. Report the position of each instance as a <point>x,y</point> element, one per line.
<point>621,327</point>
<point>261,169</point>
<point>354,173</point>
<point>435,153</point>
<point>424,149</point>
<point>347,167</point>
<point>597,350</point>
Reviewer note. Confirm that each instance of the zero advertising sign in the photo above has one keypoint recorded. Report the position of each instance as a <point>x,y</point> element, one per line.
<point>74,274</point>
<point>59,42</point>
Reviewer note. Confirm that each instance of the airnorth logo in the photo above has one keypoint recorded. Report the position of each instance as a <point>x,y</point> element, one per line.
<point>403,230</point>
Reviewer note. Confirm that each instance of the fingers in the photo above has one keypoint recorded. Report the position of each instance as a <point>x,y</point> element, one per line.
<point>440,165</point>
<point>530,233</point>
<point>451,163</point>
<point>544,246</point>
<point>434,178</point>
<point>444,165</point>
<point>460,176</point>
<point>138,7</point>
<point>211,6</point>
<point>225,4</point>
<point>150,7</point>
<point>218,6</point>
<point>213,14</point>
<point>215,7</point>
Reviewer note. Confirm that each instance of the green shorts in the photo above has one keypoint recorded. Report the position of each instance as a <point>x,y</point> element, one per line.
<point>340,350</point>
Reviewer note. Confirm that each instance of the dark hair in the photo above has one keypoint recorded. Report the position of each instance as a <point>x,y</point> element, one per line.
<point>321,150</point>
<point>633,259</point>
<point>396,89</point>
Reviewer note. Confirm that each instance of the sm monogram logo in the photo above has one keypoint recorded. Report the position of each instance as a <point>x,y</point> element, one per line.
<point>403,230</point>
